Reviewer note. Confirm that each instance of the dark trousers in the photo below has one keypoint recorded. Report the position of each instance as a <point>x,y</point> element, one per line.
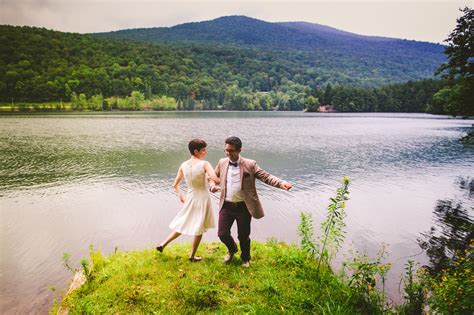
<point>229,213</point>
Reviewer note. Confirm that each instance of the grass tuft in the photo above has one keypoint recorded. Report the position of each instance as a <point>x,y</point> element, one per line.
<point>280,279</point>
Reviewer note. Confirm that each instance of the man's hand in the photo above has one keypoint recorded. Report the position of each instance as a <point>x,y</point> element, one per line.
<point>214,188</point>
<point>286,186</point>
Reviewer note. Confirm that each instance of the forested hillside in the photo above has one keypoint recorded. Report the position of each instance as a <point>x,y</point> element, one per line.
<point>40,65</point>
<point>369,61</point>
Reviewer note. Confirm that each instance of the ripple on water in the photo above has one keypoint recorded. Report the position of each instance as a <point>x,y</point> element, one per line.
<point>68,182</point>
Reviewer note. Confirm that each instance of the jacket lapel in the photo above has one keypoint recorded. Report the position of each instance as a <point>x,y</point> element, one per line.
<point>241,162</point>
<point>225,168</point>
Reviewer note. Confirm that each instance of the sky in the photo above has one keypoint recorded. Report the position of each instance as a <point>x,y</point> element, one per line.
<point>421,20</point>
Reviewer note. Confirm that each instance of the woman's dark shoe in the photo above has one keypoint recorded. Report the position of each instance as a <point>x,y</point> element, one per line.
<point>195,259</point>
<point>160,248</point>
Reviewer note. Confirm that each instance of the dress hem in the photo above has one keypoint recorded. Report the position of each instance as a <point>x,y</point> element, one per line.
<point>191,234</point>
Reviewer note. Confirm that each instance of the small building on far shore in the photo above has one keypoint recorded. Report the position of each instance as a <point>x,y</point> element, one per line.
<point>326,109</point>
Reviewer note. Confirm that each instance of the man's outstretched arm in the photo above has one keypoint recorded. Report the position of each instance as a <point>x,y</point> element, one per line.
<point>271,180</point>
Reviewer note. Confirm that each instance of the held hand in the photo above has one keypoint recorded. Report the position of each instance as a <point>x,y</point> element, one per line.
<point>214,188</point>
<point>182,199</point>
<point>286,185</point>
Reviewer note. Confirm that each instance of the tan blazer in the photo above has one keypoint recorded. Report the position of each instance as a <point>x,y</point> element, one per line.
<point>249,171</point>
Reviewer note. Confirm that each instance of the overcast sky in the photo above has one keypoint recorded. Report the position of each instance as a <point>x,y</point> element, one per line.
<point>421,20</point>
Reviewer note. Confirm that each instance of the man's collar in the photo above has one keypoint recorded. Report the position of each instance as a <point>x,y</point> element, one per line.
<point>236,163</point>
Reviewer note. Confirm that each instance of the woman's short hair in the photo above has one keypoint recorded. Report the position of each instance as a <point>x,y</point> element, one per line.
<point>196,144</point>
<point>235,142</point>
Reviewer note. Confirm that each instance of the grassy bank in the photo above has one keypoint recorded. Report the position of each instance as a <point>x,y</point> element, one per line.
<point>35,107</point>
<point>281,279</point>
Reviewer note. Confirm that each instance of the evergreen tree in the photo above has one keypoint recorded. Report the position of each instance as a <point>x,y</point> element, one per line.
<point>459,70</point>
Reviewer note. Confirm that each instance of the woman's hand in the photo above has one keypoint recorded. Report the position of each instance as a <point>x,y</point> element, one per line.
<point>213,188</point>
<point>177,180</point>
<point>210,172</point>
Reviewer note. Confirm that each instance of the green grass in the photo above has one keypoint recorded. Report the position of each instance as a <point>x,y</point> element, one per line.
<point>281,279</point>
<point>35,107</point>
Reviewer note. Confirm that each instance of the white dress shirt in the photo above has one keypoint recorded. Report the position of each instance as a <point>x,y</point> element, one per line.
<point>233,184</point>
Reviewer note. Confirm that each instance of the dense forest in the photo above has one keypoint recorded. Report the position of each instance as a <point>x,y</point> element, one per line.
<point>97,72</point>
<point>365,60</point>
<point>405,97</point>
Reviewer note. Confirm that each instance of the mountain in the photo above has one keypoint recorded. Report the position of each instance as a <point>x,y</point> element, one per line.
<point>411,59</point>
<point>238,30</point>
<point>327,31</point>
<point>229,61</point>
<point>242,30</point>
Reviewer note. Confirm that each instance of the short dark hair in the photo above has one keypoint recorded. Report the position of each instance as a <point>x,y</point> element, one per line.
<point>196,144</point>
<point>235,142</point>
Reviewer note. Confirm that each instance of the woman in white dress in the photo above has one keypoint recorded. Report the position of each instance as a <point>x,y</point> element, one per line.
<point>196,216</point>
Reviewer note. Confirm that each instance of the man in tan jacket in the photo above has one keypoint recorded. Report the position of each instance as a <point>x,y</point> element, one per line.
<point>239,199</point>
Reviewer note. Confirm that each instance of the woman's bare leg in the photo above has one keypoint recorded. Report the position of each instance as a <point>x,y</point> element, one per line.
<point>173,235</point>
<point>196,241</point>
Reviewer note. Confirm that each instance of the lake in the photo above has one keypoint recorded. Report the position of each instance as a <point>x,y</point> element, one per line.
<point>68,181</point>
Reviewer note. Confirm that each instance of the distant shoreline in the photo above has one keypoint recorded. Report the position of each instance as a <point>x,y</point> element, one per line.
<point>72,112</point>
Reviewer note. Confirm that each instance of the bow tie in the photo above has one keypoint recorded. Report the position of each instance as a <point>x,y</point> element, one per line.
<point>234,164</point>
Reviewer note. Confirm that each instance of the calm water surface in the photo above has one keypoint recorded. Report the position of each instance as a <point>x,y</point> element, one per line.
<point>69,181</point>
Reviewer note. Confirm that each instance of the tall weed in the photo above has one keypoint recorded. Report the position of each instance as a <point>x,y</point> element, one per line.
<point>333,233</point>
<point>332,229</point>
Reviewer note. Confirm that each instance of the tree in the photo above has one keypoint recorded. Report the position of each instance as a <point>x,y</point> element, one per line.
<point>447,98</point>
<point>96,102</point>
<point>78,102</point>
<point>459,70</point>
<point>328,94</point>
<point>135,100</point>
<point>312,103</point>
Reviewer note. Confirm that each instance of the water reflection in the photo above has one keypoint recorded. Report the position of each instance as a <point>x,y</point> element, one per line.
<point>453,231</point>
<point>466,184</point>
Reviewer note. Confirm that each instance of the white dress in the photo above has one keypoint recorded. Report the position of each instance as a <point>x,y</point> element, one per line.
<point>196,216</point>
